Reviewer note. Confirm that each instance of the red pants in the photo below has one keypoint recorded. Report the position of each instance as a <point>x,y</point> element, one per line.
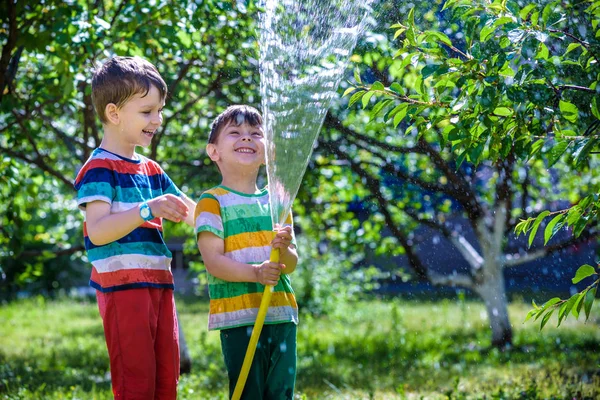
<point>140,326</point>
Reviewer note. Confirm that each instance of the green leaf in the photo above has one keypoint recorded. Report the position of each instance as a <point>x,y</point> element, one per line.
<point>348,91</point>
<point>583,272</point>
<point>557,151</point>
<point>395,110</point>
<point>535,147</point>
<point>549,304</point>
<point>582,154</point>
<point>578,303</point>
<point>531,313</point>
<point>357,76</point>
<point>486,32</point>
<point>524,13</point>
<point>429,70</point>
<point>546,12</point>
<point>366,98</point>
<point>184,37</point>
<point>589,300</point>
<point>379,107</point>
<point>399,32</point>
<point>503,111</point>
<point>595,108</point>
<point>568,110</point>
<point>546,319</point>
<point>549,231</point>
<point>400,115</point>
<point>536,225</point>
<point>356,97</point>
<point>440,36</point>
<point>396,87</point>
<point>573,215</point>
<point>543,52</point>
<point>566,308</point>
<point>377,86</point>
<point>572,47</point>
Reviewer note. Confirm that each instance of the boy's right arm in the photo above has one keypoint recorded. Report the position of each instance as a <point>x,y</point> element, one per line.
<point>217,264</point>
<point>104,227</point>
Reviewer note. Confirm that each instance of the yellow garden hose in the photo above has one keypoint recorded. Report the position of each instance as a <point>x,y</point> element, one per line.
<point>258,325</point>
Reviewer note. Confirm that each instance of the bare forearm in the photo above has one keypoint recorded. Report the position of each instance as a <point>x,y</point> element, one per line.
<point>289,258</point>
<point>230,270</point>
<point>113,227</point>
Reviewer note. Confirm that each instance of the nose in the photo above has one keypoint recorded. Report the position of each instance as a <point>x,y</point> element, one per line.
<point>247,137</point>
<point>157,118</point>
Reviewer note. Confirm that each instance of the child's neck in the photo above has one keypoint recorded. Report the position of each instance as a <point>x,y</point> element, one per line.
<point>111,142</point>
<point>241,184</point>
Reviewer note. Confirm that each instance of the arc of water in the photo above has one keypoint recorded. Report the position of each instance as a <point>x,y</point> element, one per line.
<point>304,49</point>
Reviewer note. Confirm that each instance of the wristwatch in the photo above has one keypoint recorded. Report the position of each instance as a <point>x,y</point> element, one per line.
<point>145,212</point>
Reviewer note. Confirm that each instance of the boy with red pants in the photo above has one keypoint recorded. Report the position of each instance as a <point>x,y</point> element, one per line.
<point>125,197</point>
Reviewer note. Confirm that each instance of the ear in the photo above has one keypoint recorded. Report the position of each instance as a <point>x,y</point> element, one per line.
<point>212,152</point>
<point>111,111</point>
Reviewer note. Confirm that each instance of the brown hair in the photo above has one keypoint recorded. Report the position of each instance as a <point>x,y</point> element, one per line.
<point>120,78</point>
<point>237,115</point>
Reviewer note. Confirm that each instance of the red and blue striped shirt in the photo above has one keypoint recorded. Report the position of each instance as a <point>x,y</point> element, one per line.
<point>140,258</point>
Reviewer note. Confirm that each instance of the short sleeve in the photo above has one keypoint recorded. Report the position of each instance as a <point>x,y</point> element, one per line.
<point>168,187</point>
<point>95,182</point>
<point>207,216</point>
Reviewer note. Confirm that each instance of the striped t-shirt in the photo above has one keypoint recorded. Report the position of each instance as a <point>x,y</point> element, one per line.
<point>243,221</point>
<point>140,258</point>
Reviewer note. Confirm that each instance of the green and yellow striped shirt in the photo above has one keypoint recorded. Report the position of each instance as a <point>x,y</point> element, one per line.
<point>243,221</point>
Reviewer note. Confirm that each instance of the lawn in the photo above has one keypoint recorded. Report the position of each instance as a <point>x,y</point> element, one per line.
<point>394,349</point>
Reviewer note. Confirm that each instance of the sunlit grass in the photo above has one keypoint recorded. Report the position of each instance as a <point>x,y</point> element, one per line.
<point>383,350</point>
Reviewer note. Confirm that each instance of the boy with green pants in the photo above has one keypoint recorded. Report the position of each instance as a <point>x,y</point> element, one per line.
<point>234,233</point>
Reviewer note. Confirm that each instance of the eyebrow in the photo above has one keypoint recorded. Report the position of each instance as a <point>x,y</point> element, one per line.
<point>150,105</point>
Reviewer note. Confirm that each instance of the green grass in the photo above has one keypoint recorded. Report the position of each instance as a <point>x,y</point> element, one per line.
<point>381,350</point>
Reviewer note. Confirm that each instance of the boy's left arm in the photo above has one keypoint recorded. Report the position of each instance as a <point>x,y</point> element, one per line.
<point>288,255</point>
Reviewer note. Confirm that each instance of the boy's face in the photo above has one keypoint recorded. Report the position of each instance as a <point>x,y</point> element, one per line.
<point>238,146</point>
<point>139,118</point>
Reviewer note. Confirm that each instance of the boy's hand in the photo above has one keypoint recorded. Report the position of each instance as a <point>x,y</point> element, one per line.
<point>170,207</point>
<point>283,238</point>
<point>268,272</point>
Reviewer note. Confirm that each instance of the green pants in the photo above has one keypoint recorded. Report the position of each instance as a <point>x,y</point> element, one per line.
<point>273,371</point>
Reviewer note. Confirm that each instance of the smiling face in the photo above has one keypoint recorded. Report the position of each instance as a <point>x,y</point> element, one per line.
<point>140,118</point>
<point>136,122</point>
<point>238,147</point>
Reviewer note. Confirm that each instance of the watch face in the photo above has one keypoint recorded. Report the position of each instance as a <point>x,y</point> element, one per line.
<point>145,213</point>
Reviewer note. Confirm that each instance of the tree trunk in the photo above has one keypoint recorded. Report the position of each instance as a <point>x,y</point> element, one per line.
<point>493,292</point>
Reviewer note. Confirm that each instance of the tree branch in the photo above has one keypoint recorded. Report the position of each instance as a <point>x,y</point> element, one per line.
<point>515,259</point>
<point>459,241</point>
<point>461,190</point>
<point>335,123</point>
<point>40,163</point>
<point>462,280</point>
<point>374,186</point>
<point>11,42</point>
<point>575,38</point>
<point>213,86</point>
<point>117,12</point>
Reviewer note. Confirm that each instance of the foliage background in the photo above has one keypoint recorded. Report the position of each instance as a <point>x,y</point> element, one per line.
<point>498,135</point>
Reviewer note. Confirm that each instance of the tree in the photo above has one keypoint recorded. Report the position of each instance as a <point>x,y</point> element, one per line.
<point>48,127</point>
<point>464,126</point>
